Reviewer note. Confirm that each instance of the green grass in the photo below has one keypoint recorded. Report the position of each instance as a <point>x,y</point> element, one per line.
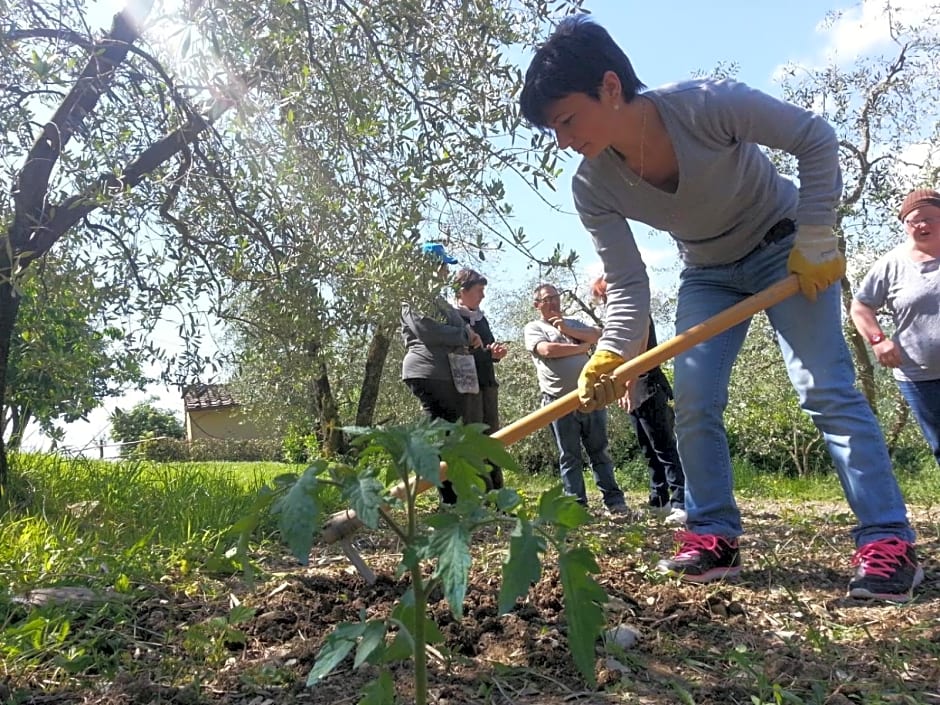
<point>114,524</point>
<point>102,524</point>
<point>919,479</point>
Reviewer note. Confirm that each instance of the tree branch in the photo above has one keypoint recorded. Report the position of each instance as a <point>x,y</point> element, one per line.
<point>32,182</point>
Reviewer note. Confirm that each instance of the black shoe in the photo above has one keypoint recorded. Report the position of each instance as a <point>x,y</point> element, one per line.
<point>446,492</point>
<point>702,558</point>
<point>495,479</point>
<point>887,570</point>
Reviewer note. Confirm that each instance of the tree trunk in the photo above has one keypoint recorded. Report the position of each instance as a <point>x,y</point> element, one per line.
<point>19,419</point>
<point>334,441</point>
<point>9,305</point>
<point>864,367</point>
<point>903,416</point>
<point>372,377</point>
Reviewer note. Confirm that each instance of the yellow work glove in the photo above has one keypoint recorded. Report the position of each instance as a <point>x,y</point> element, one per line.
<point>815,259</point>
<point>597,389</point>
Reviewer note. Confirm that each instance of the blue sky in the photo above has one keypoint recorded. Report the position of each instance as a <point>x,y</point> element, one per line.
<point>667,42</point>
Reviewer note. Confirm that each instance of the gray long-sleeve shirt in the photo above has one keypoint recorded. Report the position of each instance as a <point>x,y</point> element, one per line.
<point>729,192</point>
<point>429,338</point>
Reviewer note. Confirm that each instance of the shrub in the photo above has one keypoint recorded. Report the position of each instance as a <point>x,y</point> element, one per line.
<point>210,449</point>
<point>300,446</point>
<point>143,421</point>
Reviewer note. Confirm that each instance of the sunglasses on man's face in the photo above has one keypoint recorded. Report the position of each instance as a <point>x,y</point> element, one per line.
<point>551,297</point>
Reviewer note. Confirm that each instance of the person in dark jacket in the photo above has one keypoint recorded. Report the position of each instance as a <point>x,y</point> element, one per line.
<point>470,287</point>
<point>429,337</point>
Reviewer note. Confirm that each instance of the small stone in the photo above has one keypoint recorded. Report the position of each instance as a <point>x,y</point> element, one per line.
<point>623,636</point>
<point>60,595</point>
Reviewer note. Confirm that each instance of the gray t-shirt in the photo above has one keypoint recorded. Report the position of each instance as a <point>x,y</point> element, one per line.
<point>729,193</point>
<point>558,375</point>
<point>910,291</point>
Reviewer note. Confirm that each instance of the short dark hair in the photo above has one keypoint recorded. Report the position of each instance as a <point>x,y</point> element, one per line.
<point>538,290</point>
<point>574,59</point>
<point>467,278</point>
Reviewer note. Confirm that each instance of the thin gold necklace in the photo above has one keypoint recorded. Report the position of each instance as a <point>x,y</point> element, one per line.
<point>642,151</point>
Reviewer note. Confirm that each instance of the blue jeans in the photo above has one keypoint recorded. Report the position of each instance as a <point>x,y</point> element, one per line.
<point>820,368</point>
<point>924,400</point>
<point>573,430</point>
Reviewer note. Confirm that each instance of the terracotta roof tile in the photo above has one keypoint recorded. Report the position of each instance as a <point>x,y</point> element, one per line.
<point>198,397</point>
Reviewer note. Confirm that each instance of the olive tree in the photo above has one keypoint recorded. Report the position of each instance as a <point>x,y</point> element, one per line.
<point>884,109</point>
<point>196,151</point>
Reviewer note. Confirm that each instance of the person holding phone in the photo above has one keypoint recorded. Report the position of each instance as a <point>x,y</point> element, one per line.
<point>470,290</point>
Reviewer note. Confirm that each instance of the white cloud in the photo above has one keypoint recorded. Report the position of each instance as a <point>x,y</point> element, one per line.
<point>913,158</point>
<point>863,28</point>
<point>859,30</point>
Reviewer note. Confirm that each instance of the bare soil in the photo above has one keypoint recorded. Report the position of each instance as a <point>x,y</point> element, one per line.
<point>783,633</point>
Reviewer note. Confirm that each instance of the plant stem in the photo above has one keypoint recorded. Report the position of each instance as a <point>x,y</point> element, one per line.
<point>420,653</point>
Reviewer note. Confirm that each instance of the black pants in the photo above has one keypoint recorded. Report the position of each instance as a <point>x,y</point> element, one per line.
<point>654,422</point>
<point>484,408</point>
<point>439,400</point>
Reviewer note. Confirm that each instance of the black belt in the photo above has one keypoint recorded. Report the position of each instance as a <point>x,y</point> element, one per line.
<point>779,230</point>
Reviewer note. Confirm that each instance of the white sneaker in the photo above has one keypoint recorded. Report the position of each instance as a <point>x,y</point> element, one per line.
<point>676,517</point>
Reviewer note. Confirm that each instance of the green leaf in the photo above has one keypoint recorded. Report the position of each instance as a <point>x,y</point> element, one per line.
<point>413,555</point>
<point>366,495</point>
<point>450,545</point>
<point>381,691</point>
<point>522,566</point>
<point>583,611</point>
<point>299,515</point>
<point>422,458</point>
<point>471,444</point>
<point>404,618</point>
<point>240,614</point>
<point>244,527</point>
<point>412,448</point>
<point>226,565</point>
<point>432,632</point>
<point>372,645</point>
<point>557,508</point>
<point>465,476</point>
<point>401,648</point>
<point>337,645</point>
<point>507,499</point>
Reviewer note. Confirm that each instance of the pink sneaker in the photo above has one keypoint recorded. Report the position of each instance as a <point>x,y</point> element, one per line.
<point>887,569</point>
<point>702,558</point>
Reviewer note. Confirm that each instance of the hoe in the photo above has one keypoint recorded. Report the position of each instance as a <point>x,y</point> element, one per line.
<point>341,526</point>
